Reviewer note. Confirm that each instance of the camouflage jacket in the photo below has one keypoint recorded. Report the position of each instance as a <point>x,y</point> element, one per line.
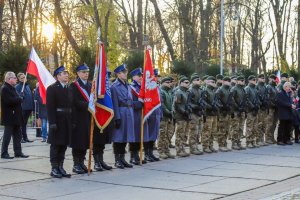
<point>239,98</point>
<point>179,104</point>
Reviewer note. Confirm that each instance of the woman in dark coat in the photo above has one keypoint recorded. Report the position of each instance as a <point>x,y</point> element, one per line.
<point>285,114</point>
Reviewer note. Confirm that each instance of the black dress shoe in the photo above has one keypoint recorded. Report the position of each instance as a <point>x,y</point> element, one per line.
<point>98,167</point>
<point>55,172</point>
<point>23,141</point>
<point>21,155</point>
<point>6,156</point>
<point>289,143</point>
<point>148,158</point>
<point>124,162</point>
<point>82,165</point>
<point>280,143</point>
<point>29,141</point>
<point>78,170</point>
<point>63,172</point>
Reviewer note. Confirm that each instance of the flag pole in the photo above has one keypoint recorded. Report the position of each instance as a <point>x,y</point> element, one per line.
<point>145,42</point>
<point>23,86</point>
<point>91,145</point>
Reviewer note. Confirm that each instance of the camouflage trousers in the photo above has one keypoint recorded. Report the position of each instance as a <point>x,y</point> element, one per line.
<point>271,121</point>
<point>171,131</point>
<point>237,127</point>
<point>181,132</point>
<point>251,127</point>
<point>261,126</point>
<point>209,131</point>
<point>223,130</point>
<point>163,139</point>
<point>194,131</point>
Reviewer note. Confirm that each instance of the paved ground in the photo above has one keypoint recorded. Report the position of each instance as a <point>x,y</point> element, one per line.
<point>268,173</point>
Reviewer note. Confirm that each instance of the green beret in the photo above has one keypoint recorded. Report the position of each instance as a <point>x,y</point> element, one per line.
<point>294,83</point>
<point>240,78</point>
<point>195,74</point>
<point>298,82</point>
<point>284,75</point>
<point>204,77</point>
<point>219,77</point>
<point>251,77</point>
<point>272,76</point>
<point>226,78</point>
<point>165,79</point>
<point>183,78</point>
<point>193,77</point>
<point>261,76</point>
<point>211,78</point>
<point>171,78</point>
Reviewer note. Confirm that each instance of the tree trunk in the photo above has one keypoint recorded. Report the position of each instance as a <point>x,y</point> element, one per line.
<point>65,27</point>
<point>163,30</point>
<point>298,34</point>
<point>97,18</point>
<point>1,20</point>
<point>140,24</point>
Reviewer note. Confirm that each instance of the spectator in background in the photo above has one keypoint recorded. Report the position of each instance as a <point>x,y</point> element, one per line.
<point>42,112</point>
<point>285,106</point>
<point>27,104</point>
<point>11,117</point>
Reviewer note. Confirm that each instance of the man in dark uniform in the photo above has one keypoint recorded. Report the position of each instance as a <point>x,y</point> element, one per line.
<point>11,117</point>
<point>81,118</point>
<point>134,147</point>
<point>123,132</point>
<point>60,125</point>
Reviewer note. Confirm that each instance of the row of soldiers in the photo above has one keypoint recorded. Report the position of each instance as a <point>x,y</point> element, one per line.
<point>196,111</point>
<point>215,108</point>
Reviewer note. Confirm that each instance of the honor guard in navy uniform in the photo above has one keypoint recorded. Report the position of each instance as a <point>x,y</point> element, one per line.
<point>59,110</point>
<point>153,127</point>
<point>81,118</point>
<point>134,147</point>
<point>123,132</point>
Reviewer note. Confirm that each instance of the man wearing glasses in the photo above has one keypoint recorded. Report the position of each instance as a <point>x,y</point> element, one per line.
<point>182,116</point>
<point>11,116</point>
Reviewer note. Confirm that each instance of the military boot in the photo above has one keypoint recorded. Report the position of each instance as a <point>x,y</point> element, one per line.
<point>83,166</point>
<point>170,155</point>
<point>63,171</point>
<point>150,152</point>
<point>213,149</point>
<point>255,145</point>
<point>223,149</point>
<point>103,164</point>
<point>207,150</point>
<point>118,162</point>
<point>260,143</point>
<point>241,147</point>
<point>270,141</point>
<point>55,171</point>
<point>97,166</point>
<point>182,153</point>
<point>133,158</point>
<point>194,150</point>
<point>235,146</point>
<point>77,167</point>
<point>125,163</point>
<point>163,155</point>
<point>250,145</point>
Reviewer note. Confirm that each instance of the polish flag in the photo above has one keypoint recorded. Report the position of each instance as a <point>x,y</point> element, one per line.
<point>36,68</point>
<point>278,77</point>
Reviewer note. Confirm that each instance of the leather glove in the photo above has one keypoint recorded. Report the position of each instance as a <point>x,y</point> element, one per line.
<point>118,123</point>
<point>53,127</point>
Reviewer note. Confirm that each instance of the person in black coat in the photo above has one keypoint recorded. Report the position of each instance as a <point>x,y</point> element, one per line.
<point>11,115</point>
<point>285,107</point>
<point>81,118</point>
<point>59,111</point>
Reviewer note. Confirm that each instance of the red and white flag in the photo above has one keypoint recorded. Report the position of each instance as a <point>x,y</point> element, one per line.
<point>278,77</point>
<point>149,93</point>
<point>36,68</point>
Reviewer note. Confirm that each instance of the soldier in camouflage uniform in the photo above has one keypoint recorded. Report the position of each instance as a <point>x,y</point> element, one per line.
<point>212,114</point>
<point>272,117</point>
<point>238,115</point>
<point>252,109</point>
<point>198,107</point>
<point>233,81</point>
<point>166,124</point>
<point>225,98</point>
<point>263,111</point>
<point>219,78</point>
<point>172,124</point>
<point>182,114</point>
